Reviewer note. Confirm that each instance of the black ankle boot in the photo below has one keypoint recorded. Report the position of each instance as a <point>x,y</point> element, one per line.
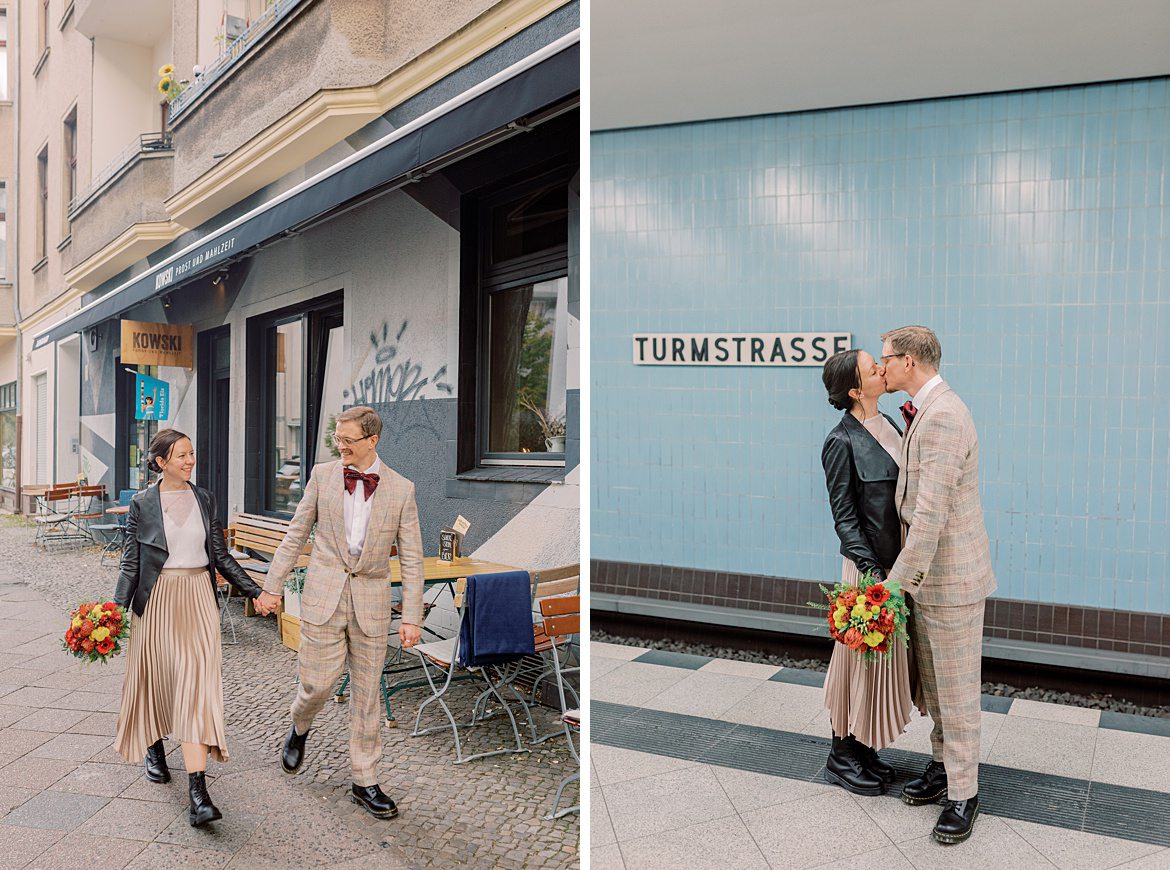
<point>927,788</point>
<point>871,761</point>
<point>156,763</point>
<point>957,820</point>
<point>844,769</point>
<point>202,809</point>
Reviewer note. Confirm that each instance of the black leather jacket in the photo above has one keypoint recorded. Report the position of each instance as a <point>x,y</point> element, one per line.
<point>862,479</point>
<point>145,550</point>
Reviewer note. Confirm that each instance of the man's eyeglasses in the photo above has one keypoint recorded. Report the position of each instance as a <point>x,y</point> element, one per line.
<point>347,442</point>
<point>891,356</point>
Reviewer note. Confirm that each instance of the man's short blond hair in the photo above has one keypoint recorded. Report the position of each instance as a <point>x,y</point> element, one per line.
<point>918,341</point>
<point>364,416</point>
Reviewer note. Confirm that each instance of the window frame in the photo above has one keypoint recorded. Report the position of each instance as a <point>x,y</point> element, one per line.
<point>548,264</point>
<point>69,167</point>
<point>317,316</point>
<point>42,226</point>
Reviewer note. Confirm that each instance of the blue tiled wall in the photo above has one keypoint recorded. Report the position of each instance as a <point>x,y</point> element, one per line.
<point>1030,230</point>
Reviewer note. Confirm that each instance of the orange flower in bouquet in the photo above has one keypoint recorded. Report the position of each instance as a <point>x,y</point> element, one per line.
<point>868,618</point>
<point>97,631</point>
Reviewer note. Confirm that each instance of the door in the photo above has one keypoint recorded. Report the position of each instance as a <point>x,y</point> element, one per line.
<point>213,441</point>
<point>41,428</point>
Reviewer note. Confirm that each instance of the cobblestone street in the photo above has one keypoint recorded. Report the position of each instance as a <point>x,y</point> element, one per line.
<point>66,796</point>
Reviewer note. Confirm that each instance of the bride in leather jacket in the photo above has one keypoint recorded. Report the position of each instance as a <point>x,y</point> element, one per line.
<point>869,706</point>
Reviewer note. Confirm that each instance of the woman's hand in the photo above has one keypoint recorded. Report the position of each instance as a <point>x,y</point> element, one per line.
<point>266,603</point>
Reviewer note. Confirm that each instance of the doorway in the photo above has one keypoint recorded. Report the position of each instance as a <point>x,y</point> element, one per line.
<point>213,440</point>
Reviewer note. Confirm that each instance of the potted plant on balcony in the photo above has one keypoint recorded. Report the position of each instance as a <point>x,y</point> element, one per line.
<point>552,426</point>
<point>167,85</point>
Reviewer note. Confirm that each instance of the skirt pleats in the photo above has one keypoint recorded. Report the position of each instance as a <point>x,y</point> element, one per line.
<point>174,675</point>
<point>872,702</point>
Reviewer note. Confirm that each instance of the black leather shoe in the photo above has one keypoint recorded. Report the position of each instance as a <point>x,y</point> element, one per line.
<point>293,751</point>
<point>156,763</point>
<point>843,768</point>
<point>375,802</point>
<point>871,761</point>
<point>928,788</point>
<point>202,809</point>
<point>957,820</point>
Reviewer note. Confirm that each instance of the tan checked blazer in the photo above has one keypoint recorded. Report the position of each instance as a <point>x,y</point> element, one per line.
<point>947,557</point>
<point>393,519</point>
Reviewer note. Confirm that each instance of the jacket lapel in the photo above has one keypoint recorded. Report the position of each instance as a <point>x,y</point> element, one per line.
<point>940,388</point>
<point>150,520</point>
<point>382,500</point>
<point>872,460</point>
<point>333,504</point>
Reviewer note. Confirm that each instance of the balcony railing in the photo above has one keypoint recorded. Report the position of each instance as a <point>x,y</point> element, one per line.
<point>147,143</point>
<point>272,16</point>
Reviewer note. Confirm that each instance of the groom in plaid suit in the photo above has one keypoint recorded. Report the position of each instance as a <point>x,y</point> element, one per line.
<point>945,566</point>
<point>361,508</point>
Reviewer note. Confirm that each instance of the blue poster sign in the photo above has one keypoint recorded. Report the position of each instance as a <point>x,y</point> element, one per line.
<point>152,398</point>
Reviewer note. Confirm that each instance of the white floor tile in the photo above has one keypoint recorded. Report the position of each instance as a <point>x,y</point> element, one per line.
<point>802,833</point>
<point>615,651</point>
<point>1055,712</point>
<point>992,846</point>
<point>612,764</point>
<point>635,684</point>
<point>780,706</point>
<point>753,791</point>
<point>889,858</point>
<point>704,694</point>
<point>740,669</point>
<point>1126,758</point>
<point>666,802</point>
<point>1076,850</point>
<point>1046,747</point>
<point>606,858</point>
<point>717,844</point>
<point>600,827</point>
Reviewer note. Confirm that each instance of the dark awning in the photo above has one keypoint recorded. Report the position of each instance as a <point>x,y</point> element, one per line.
<point>546,78</point>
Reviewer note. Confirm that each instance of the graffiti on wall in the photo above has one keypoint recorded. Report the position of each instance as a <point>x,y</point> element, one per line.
<point>394,378</point>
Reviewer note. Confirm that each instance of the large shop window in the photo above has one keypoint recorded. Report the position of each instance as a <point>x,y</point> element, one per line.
<point>8,435</point>
<point>139,433</point>
<point>524,234</point>
<point>302,353</point>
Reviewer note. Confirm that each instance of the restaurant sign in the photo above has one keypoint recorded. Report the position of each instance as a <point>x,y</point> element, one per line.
<point>158,344</point>
<point>738,348</point>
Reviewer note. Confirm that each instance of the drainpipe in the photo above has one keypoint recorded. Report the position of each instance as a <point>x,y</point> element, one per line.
<point>13,211</point>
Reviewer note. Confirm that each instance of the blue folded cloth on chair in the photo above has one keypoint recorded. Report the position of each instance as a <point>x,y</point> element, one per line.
<point>498,625</point>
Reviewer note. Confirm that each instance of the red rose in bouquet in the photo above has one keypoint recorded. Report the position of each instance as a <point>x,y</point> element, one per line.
<point>97,632</point>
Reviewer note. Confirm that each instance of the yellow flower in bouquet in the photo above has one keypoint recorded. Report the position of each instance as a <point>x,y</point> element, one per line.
<point>99,634</point>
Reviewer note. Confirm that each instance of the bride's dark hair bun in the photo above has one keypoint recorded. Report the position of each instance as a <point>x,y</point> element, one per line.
<point>161,446</point>
<point>841,376</point>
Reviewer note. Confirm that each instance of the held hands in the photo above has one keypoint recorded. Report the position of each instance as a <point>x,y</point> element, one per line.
<point>409,635</point>
<point>266,603</point>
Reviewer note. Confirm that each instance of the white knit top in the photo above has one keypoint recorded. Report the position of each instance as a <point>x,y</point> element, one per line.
<point>186,536</point>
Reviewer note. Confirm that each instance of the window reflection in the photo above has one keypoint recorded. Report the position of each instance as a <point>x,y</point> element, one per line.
<point>288,400</point>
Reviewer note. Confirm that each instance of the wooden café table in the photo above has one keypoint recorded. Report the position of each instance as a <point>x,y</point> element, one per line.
<point>435,573</point>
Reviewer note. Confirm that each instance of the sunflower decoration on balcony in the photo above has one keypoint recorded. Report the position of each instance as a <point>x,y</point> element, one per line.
<point>167,86</point>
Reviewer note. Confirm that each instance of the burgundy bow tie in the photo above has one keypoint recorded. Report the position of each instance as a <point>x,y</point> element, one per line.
<point>369,482</point>
<point>908,412</point>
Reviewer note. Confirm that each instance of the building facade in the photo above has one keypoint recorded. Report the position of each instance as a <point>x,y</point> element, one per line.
<point>337,203</point>
<point>9,303</point>
<point>1028,229</point>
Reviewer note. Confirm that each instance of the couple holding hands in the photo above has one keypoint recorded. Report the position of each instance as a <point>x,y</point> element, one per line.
<point>906,507</point>
<point>175,545</point>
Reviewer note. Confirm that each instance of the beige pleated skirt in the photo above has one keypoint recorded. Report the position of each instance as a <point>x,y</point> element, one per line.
<point>871,702</point>
<point>174,675</point>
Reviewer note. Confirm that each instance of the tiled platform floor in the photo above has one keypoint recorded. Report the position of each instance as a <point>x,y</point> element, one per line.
<point>658,806</point>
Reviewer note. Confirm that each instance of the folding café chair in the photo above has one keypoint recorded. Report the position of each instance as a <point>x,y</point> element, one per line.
<point>562,619</point>
<point>495,629</point>
<point>54,518</point>
<point>115,533</point>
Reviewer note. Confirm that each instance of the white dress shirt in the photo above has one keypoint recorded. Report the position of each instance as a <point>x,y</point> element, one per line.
<point>918,398</point>
<point>357,511</point>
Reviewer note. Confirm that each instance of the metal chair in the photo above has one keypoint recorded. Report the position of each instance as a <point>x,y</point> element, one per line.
<point>562,618</point>
<point>116,532</point>
<point>441,659</point>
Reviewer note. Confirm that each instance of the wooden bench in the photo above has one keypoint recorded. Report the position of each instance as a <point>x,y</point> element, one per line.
<point>264,535</point>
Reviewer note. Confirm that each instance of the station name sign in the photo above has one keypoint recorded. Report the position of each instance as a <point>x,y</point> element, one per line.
<point>738,348</point>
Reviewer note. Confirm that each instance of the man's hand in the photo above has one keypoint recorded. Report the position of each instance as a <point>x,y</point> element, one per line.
<point>267,603</point>
<point>409,635</point>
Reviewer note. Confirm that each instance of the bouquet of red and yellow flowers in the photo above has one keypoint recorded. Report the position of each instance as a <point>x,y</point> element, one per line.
<point>96,631</point>
<point>869,618</point>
